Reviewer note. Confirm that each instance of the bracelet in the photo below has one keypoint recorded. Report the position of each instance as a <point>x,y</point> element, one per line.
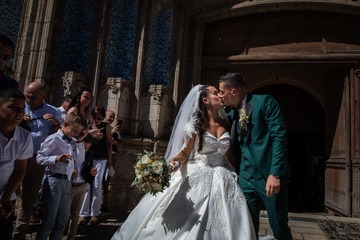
<point>176,164</point>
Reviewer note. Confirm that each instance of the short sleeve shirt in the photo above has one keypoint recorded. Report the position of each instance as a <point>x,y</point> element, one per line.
<point>19,147</point>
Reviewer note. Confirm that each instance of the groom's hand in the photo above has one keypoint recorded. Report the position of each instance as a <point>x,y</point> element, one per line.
<point>272,185</point>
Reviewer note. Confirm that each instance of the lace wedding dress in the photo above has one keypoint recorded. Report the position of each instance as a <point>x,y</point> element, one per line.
<point>203,201</point>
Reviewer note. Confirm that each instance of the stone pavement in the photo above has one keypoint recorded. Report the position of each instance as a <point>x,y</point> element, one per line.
<point>317,226</point>
<point>303,226</point>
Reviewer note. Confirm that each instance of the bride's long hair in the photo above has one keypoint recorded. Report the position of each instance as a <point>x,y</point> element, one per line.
<point>202,121</point>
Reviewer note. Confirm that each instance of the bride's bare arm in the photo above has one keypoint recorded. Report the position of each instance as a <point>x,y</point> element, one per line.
<point>183,156</point>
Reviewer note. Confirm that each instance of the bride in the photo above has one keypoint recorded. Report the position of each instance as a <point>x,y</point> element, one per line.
<point>203,200</point>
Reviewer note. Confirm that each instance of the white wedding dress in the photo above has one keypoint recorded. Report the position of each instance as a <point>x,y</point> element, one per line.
<point>203,201</point>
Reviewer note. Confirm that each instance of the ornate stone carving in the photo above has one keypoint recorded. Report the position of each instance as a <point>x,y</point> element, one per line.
<point>113,87</point>
<point>114,95</point>
<point>72,81</point>
<point>155,113</point>
<point>157,92</point>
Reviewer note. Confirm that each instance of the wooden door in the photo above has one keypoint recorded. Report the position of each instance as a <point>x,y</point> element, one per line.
<point>338,166</point>
<point>355,139</point>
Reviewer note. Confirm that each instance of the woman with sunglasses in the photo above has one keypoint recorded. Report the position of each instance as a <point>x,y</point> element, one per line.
<point>101,149</point>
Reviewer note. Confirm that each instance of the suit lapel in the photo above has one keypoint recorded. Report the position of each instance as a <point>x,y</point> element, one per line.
<point>249,104</point>
<point>249,108</point>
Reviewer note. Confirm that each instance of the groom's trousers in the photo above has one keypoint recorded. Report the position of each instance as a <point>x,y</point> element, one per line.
<point>276,206</point>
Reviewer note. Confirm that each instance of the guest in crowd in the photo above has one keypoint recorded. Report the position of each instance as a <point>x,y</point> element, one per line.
<point>64,106</point>
<point>102,160</point>
<point>115,130</point>
<point>82,175</point>
<point>43,119</point>
<point>80,102</point>
<point>15,148</point>
<point>59,153</point>
<point>116,137</point>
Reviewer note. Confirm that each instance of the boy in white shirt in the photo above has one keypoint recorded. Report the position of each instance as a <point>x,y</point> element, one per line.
<point>15,148</point>
<point>58,153</point>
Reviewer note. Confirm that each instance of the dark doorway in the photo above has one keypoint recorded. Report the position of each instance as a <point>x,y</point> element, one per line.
<point>304,120</point>
<point>307,168</point>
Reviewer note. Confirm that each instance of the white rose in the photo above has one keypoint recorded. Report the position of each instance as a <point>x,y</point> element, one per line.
<point>145,159</point>
<point>157,167</point>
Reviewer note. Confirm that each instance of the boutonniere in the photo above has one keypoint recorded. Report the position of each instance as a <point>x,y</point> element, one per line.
<point>243,118</point>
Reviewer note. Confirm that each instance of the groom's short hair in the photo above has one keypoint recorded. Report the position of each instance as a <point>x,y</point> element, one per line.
<point>233,79</point>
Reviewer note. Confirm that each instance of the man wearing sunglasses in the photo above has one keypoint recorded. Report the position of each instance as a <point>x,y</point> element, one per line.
<point>6,56</point>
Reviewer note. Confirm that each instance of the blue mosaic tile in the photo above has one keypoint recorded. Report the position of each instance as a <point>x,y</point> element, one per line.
<point>121,39</point>
<point>10,18</point>
<point>76,32</point>
<point>158,62</point>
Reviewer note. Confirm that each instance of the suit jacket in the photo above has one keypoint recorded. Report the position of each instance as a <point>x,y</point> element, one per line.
<point>265,142</point>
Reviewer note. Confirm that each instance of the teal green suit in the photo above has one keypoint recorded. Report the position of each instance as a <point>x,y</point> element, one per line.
<point>262,150</point>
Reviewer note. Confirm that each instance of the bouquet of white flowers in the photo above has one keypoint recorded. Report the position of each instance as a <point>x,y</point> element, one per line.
<point>152,173</point>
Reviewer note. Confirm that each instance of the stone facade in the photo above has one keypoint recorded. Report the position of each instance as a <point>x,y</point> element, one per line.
<point>140,58</point>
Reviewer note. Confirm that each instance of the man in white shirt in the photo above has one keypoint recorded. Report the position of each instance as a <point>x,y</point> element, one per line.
<point>15,148</point>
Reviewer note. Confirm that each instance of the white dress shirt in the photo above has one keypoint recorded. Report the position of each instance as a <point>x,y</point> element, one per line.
<point>62,112</point>
<point>55,145</point>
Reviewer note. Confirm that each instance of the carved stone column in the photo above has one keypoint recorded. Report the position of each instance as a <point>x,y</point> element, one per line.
<point>180,43</point>
<point>72,81</point>
<point>198,43</point>
<point>99,45</point>
<point>141,43</point>
<point>116,96</point>
<point>155,113</point>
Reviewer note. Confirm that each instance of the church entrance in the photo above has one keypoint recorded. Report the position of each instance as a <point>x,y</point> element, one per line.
<point>313,74</point>
<point>306,146</point>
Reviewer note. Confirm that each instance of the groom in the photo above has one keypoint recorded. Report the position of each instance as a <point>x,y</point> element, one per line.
<point>260,144</point>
